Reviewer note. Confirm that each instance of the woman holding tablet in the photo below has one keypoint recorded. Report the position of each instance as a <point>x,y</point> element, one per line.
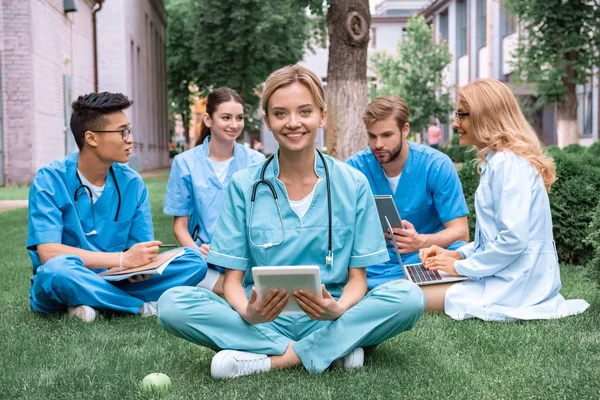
<point>199,176</point>
<point>512,262</point>
<point>287,219</point>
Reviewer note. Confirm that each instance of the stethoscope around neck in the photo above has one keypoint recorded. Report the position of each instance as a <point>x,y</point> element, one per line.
<point>262,180</point>
<point>88,191</point>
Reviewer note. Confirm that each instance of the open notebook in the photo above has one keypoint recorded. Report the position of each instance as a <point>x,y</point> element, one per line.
<point>155,267</point>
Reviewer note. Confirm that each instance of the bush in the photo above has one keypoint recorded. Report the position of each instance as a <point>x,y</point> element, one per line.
<point>593,240</point>
<point>594,150</point>
<point>469,178</point>
<point>573,199</point>
<point>575,148</point>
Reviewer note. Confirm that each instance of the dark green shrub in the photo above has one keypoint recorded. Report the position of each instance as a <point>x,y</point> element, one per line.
<point>552,150</point>
<point>593,240</point>
<point>594,149</point>
<point>573,199</point>
<point>469,178</point>
<point>575,148</point>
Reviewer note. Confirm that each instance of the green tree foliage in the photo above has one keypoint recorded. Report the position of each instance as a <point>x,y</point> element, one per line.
<point>558,49</point>
<point>415,74</point>
<point>235,44</point>
<point>180,71</point>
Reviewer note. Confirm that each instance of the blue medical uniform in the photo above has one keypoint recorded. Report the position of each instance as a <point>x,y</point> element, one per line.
<point>64,281</point>
<point>428,195</point>
<point>512,262</point>
<point>194,189</point>
<point>205,319</point>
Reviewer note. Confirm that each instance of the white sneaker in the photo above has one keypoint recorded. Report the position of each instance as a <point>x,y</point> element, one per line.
<point>85,313</point>
<point>150,309</point>
<point>232,363</point>
<point>354,359</point>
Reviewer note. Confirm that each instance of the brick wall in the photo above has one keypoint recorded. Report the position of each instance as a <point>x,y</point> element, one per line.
<point>17,89</point>
<point>41,45</point>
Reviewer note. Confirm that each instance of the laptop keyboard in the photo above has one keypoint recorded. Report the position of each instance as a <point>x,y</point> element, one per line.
<point>419,274</point>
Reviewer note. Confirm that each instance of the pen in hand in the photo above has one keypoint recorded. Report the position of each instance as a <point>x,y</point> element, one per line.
<point>168,246</point>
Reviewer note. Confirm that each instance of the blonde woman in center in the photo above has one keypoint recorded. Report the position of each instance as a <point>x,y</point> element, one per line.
<point>512,263</point>
<point>250,333</point>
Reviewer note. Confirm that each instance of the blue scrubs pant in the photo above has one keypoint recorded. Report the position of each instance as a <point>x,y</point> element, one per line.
<point>65,282</point>
<point>385,272</point>
<point>205,319</point>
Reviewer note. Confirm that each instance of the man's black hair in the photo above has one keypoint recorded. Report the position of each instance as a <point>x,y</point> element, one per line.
<point>89,110</point>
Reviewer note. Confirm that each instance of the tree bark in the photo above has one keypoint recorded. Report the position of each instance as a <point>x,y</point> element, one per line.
<point>185,119</point>
<point>567,127</point>
<point>348,26</point>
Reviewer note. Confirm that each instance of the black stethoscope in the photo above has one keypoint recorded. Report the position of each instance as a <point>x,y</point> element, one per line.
<point>88,191</point>
<point>329,257</point>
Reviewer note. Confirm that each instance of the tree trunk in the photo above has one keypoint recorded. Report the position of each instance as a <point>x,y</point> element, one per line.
<point>348,25</point>
<point>185,119</point>
<point>567,128</point>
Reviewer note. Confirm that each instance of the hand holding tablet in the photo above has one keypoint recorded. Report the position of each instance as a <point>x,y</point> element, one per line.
<point>287,279</point>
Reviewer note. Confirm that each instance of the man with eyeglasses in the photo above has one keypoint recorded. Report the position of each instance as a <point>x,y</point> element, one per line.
<point>89,212</point>
<point>422,181</point>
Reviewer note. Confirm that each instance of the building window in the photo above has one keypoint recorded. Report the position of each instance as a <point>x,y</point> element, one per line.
<point>444,26</point>
<point>584,109</point>
<point>507,22</point>
<point>373,38</point>
<point>461,28</point>
<point>481,23</point>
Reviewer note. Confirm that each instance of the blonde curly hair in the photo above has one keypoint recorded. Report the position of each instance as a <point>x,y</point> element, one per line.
<point>498,123</point>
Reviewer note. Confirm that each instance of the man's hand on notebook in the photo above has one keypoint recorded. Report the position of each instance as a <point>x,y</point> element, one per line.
<point>139,278</point>
<point>141,254</point>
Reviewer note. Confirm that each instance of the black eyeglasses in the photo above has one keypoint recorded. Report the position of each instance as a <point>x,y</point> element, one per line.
<point>125,133</point>
<point>458,115</point>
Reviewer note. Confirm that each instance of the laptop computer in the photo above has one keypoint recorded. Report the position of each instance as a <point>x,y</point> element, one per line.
<point>416,273</point>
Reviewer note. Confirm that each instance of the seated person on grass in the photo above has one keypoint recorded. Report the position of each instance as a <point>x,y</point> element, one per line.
<point>89,212</point>
<point>423,182</point>
<point>512,263</point>
<point>251,335</point>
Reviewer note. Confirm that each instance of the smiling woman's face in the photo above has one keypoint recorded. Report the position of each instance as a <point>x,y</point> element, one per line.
<point>294,117</point>
<point>463,125</point>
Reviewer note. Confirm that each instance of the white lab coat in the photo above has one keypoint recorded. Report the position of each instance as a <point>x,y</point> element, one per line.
<point>512,262</point>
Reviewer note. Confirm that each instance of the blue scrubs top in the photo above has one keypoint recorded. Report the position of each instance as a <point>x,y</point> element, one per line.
<point>429,193</point>
<point>53,216</point>
<point>357,236</point>
<point>194,189</point>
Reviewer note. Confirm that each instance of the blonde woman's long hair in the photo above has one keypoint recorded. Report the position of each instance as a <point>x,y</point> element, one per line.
<point>498,123</point>
<point>285,76</point>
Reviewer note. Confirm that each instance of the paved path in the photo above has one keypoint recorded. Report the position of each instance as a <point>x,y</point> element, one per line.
<point>12,204</point>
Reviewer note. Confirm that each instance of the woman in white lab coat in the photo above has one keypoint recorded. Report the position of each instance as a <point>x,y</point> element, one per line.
<point>512,263</point>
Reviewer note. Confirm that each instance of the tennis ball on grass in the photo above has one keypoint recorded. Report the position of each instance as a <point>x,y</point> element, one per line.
<point>156,382</point>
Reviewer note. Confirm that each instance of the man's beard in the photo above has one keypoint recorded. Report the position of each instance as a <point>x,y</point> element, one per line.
<point>394,153</point>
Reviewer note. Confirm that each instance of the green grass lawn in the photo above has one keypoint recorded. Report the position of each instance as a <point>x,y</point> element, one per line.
<point>62,358</point>
<point>14,193</point>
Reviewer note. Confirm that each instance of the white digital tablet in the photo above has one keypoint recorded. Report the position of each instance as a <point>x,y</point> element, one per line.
<point>287,278</point>
<point>387,208</point>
